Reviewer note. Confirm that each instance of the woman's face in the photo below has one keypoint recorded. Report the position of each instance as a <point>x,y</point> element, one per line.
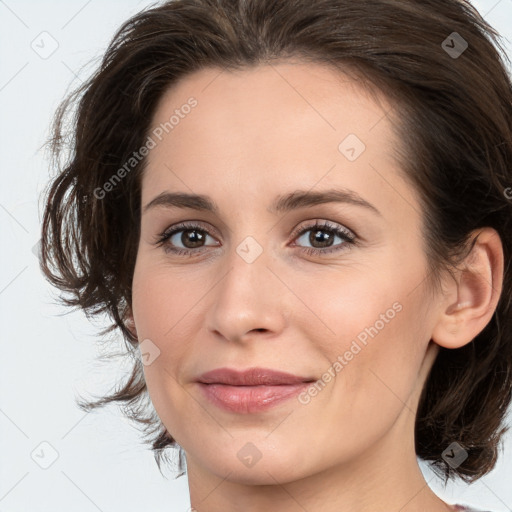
<point>277,149</point>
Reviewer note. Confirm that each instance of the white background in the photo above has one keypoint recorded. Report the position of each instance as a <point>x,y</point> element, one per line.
<point>47,358</point>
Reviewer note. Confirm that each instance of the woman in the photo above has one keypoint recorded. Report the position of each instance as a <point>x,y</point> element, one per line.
<point>299,214</point>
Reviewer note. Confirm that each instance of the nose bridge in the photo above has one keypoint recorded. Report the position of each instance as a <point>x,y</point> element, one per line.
<point>247,298</point>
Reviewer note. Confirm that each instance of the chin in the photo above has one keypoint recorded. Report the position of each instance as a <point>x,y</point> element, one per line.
<point>255,463</point>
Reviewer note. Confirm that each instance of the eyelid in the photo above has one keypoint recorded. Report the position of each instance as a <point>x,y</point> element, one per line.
<point>187,224</point>
<point>191,224</point>
<point>322,223</point>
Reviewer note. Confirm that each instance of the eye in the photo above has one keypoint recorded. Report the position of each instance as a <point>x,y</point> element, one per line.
<point>191,236</point>
<point>323,235</point>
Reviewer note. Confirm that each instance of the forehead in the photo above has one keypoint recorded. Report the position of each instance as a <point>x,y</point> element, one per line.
<point>268,128</point>
<point>300,97</point>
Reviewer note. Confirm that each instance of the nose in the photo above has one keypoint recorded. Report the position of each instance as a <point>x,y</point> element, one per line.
<point>249,301</point>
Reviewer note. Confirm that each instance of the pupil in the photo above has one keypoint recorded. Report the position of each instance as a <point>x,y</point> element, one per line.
<point>194,239</point>
<point>318,237</point>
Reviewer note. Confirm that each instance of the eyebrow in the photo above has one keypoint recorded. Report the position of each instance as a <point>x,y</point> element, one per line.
<point>282,204</point>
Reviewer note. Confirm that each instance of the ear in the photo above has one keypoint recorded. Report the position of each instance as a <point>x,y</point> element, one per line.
<point>471,296</point>
<point>129,323</point>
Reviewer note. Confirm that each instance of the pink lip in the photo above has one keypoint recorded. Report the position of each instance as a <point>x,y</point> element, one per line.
<point>252,390</point>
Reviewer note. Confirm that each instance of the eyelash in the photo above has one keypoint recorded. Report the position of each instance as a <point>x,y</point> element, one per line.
<point>347,236</point>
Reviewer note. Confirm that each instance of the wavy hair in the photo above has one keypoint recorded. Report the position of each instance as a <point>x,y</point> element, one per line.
<point>454,106</point>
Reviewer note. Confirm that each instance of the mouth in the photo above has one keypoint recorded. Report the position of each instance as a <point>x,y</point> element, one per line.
<point>250,391</point>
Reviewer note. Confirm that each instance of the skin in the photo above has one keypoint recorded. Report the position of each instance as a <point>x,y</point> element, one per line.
<point>256,134</point>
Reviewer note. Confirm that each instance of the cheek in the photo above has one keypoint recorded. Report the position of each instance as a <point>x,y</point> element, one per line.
<point>377,335</point>
<point>164,300</point>
<point>375,366</point>
<point>165,308</point>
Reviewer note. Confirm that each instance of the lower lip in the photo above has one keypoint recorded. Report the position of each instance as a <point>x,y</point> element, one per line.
<point>250,399</point>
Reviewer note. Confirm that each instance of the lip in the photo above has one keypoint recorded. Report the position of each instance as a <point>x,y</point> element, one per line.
<point>251,377</point>
<point>252,390</point>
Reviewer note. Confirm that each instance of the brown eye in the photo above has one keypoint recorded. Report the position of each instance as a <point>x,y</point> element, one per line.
<point>191,238</point>
<point>185,239</point>
<point>323,236</point>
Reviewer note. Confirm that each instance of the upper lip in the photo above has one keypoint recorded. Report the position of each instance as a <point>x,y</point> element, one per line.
<point>250,377</point>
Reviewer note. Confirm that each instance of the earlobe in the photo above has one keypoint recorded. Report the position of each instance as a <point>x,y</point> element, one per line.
<point>476,287</point>
<point>129,323</point>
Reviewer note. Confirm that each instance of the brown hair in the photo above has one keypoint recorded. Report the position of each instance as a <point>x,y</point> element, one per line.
<point>455,110</point>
